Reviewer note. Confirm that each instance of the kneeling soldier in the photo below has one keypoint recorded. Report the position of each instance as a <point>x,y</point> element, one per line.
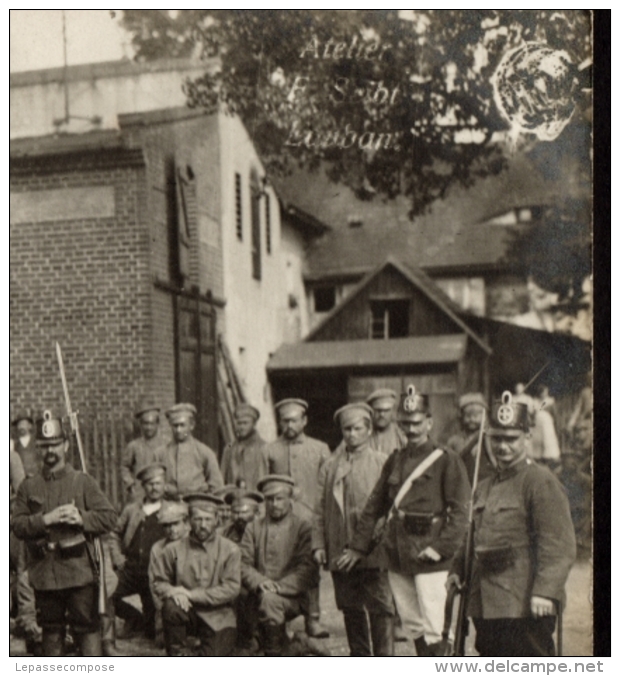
<point>198,580</point>
<point>278,568</point>
<point>58,512</point>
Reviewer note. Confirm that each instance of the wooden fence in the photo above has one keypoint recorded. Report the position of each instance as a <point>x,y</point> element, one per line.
<point>104,437</point>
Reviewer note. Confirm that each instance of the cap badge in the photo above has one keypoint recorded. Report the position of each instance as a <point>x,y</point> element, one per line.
<point>49,427</point>
<point>411,400</point>
<point>506,412</point>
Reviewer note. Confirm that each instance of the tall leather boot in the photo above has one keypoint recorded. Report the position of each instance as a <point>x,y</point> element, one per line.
<point>421,647</point>
<point>90,644</point>
<point>274,637</point>
<point>53,643</point>
<point>314,628</point>
<point>358,634</point>
<point>382,633</point>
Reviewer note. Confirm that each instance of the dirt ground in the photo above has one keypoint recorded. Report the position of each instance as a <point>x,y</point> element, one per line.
<point>577,623</point>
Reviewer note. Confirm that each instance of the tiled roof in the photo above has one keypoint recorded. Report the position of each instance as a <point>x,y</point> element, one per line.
<point>453,235</point>
<point>352,353</point>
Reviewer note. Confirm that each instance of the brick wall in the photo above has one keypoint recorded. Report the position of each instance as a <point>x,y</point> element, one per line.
<point>86,284</point>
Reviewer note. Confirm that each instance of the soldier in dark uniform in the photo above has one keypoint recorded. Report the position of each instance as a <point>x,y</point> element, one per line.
<point>244,459</point>
<point>524,545</point>
<point>423,491</point>
<point>57,512</point>
<point>137,531</point>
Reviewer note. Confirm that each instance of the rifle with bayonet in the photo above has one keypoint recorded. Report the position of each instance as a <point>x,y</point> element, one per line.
<point>462,592</point>
<point>99,557</point>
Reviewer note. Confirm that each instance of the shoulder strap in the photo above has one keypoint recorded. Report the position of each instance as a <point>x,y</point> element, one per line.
<point>417,472</point>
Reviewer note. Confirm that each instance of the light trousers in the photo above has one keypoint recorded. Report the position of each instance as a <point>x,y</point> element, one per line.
<point>420,601</point>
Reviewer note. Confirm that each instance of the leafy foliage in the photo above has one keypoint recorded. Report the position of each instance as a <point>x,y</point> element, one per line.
<point>422,83</point>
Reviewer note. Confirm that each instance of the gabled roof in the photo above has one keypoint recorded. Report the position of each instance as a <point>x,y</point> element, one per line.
<point>423,283</point>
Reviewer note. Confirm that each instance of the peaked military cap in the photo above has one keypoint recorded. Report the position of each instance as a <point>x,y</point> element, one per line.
<point>274,483</point>
<point>181,409</point>
<point>172,511</point>
<point>151,471</point>
<point>292,401</point>
<point>204,501</point>
<point>412,402</point>
<point>239,495</point>
<point>508,414</point>
<point>145,405</point>
<point>472,398</point>
<point>49,430</point>
<point>350,413</point>
<point>382,393</point>
<point>247,410</point>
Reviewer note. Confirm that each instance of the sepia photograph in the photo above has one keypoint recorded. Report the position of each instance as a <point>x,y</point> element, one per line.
<point>301,333</point>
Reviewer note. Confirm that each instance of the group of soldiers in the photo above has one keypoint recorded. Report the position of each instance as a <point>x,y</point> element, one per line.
<point>223,555</point>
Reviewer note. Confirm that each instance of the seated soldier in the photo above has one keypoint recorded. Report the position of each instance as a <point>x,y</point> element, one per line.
<point>198,580</point>
<point>173,517</point>
<point>277,565</point>
<point>244,509</point>
<point>137,531</point>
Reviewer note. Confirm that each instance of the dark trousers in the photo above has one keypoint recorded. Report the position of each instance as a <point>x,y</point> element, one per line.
<point>515,637</point>
<point>365,598</point>
<point>131,582</point>
<point>177,625</point>
<point>247,618</point>
<point>76,606</point>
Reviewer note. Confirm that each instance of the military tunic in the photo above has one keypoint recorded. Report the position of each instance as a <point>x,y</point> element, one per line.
<point>245,460</point>
<point>300,459</point>
<point>523,539</point>
<point>466,445</point>
<point>211,570</point>
<point>41,494</point>
<point>192,466</point>
<point>388,440</point>
<point>439,495</point>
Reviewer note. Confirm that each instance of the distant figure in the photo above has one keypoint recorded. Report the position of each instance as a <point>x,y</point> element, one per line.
<point>386,436</point>
<point>146,449</point>
<point>543,445</point>
<point>191,465</point>
<point>465,443</point>
<point>25,444</point>
<point>243,459</point>
<point>16,469</point>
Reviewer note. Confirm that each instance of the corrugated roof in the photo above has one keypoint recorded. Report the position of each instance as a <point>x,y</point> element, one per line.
<point>352,353</point>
